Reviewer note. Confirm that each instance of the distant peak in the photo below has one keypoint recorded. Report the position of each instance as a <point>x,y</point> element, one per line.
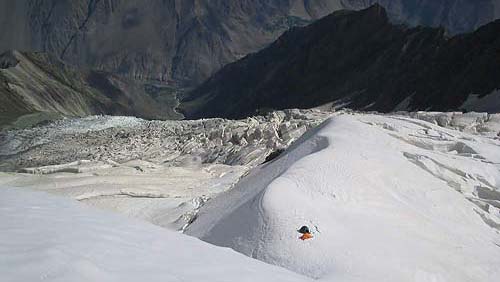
<point>375,6</point>
<point>373,15</point>
<point>376,10</point>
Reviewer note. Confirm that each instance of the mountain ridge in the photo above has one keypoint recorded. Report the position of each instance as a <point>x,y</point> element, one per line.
<point>360,59</point>
<point>41,84</point>
<point>184,42</point>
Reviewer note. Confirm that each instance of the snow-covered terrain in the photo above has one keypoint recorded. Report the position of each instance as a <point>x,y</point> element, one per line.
<point>390,198</point>
<point>121,139</point>
<point>166,196</point>
<point>158,171</point>
<point>399,197</point>
<point>46,238</point>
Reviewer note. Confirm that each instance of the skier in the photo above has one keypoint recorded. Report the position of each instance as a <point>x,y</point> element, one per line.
<point>306,234</point>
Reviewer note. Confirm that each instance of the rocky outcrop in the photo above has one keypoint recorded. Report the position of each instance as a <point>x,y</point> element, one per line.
<point>356,59</point>
<point>187,41</point>
<point>38,83</point>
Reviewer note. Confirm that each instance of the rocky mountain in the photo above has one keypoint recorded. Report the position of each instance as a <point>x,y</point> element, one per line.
<point>456,16</point>
<point>361,60</point>
<point>187,41</point>
<point>161,40</point>
<point>36,86</point>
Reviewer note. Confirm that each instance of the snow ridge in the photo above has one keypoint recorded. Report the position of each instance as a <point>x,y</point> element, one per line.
<point>46,238</point>
<point>389,198</point>
<point>395,197</point>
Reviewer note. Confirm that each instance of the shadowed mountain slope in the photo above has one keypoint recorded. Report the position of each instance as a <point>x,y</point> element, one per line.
<point>360,60</point>
<point>187,41</point>
<point>36,83</point>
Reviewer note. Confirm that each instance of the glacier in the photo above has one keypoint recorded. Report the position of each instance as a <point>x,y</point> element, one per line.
<point>389,197</point>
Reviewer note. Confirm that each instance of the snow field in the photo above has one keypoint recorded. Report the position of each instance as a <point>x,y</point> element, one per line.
<point>399,197</point>
<point>379,212</point>
<point>48,238</point>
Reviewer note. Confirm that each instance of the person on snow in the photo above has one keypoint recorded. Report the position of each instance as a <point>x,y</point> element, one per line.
<point>306,234</point>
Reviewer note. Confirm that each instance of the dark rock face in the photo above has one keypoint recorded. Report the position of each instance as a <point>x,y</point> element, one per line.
<point>187,41</point>
<point>8,60</point>
<point>360,59</point>
<point>457,16</point>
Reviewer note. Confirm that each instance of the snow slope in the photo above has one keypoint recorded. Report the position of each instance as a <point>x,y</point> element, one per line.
<point>44,238</point>
<point>406,197</point>
<point>166,196</point>
<point>390,198</point>
<point>158,171</point>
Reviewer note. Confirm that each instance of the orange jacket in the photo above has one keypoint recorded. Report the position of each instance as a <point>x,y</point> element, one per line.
<point>306,236</point>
